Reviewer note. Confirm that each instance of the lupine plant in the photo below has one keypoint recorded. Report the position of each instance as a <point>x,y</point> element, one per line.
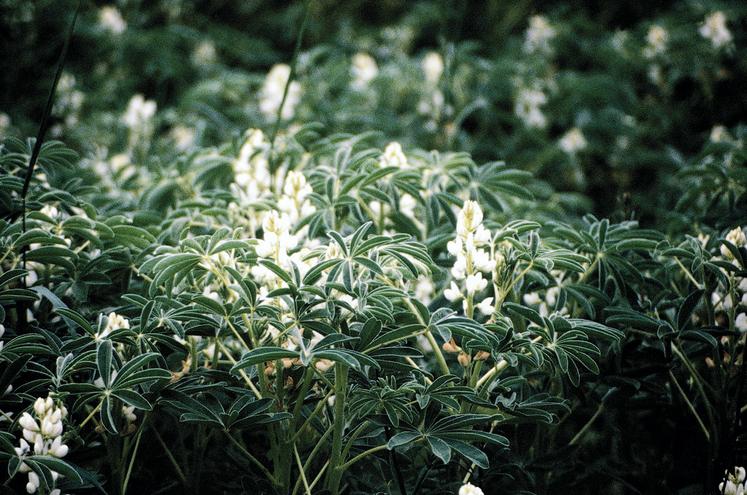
<point>315,275</point>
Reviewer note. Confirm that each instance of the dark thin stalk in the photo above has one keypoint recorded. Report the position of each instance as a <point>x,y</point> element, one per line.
<point>42,132</point>
<point>394,465</point>
<point>291,75</point>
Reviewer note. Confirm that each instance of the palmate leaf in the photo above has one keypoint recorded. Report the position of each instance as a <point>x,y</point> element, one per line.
<point>453,433</point>
<point>262,355</point>
<point>443,391</point>
<point>539,407</point>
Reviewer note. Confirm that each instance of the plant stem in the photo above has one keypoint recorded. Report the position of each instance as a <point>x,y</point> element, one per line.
<point>301,472</point>
<point>166,449</point>
<point>334,475</point>
<point>363,455</point>
<point>316,410</point>
<point>94,411</point>
<point>588,424</point>
<point>311,457</point>
<point>132,459</point>
<point>292,73</point>
<point>499,366</point>
<point>431,340</point>
<point>253,459</point>
<point>690,406</point>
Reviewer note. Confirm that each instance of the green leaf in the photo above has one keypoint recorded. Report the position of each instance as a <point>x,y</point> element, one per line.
<point>402,438</point>
<point>59,466</point>
<point>132,398</point>
<point>262,355</point>
<point>104,361</point>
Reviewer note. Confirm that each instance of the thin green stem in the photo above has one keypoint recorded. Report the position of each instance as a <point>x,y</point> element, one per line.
<point>93,412</point>
<point>291,75</point>
<point>690,406</point>
<point>362,455</point>
<point>431,340</point>
<point>588,424</point>
<point>167,450</point>
<point>301,472</point>
<point>316,411</point>
<point>253,459</point>
<point>132,459</point>
<point>310,458</point>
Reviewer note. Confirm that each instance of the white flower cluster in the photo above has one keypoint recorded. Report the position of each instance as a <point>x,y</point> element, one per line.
<point>735,483</point>
<point>183,137</point>
<point>363,70</point>
<point>544,305</point>
<point>725,302</point>
<point>42,435</point>
<point>204,54</point>
<point>295,203</point>
<point>433,67</point>
<point>393,156</point>
<point>69,99</point>
<point>470,489</point>
<point>110,19</point>
<point>573,141</point>
<point>472,260</point>
<point>113,322</point>
<point>723,299</point>
<point>719,134</point>
<point>252,169</point>
<point>538,35</point>
<point>432,103</point>
<point>528,107</point>
<point>714,29</point>
<point>271,94</point>
<point>277,240</point>
<point>656,41</point>
<point>139,118</point>
<point>737,237</point>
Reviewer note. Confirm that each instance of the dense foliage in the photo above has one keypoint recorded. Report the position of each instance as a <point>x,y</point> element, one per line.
<point>357,294</point>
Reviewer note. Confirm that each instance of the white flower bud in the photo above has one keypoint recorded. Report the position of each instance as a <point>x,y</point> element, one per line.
<point>486,306</point>
<point>469,218</point>
<point>39,445</point>
<point>433,67</point>
<point>40,406</point>
<point>33,483</point>
<point>741,322</point>
<point>27,422</point>
<point>470,489</point>
<point>58,449</point>
<point>532,298</point>
<point>452,293</point>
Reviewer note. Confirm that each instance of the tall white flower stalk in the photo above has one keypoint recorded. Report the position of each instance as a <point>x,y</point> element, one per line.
<point>42,435</point>
<point>471,247</point>
<point>139,120</point>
